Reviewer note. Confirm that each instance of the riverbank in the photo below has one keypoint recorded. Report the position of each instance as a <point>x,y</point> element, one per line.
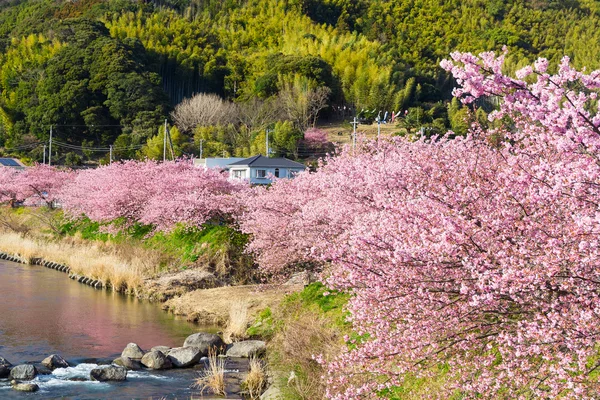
<point>193,275</point>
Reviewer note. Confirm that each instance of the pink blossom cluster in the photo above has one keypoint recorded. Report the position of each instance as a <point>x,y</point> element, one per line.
<point>38,185</point>
<point>158,194</point>
<point>315,139</point>
<point>456,252</point>
<point>149,192</point>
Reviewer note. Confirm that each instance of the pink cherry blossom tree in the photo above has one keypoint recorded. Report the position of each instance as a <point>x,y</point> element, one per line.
<point>8,187</point>
<point>37,185</point>
<point>159,194</point>
<point>315,140</point>
<point>457,252</point>
<point>41,184</point>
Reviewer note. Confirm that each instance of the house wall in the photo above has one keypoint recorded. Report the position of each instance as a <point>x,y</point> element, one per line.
<point>251,174</point>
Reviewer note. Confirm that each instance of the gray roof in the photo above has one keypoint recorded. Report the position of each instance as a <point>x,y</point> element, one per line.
<point>9,162</point>
<point>216,162</point>
<point>265,162</point>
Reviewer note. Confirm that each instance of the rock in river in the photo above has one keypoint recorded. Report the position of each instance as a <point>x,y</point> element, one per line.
<point>182,357</point>
<point>128,363</point>
<point>247,348</point>
<point>156,360</point>
<point>23,372</point>
<point>204,341</point>
<point>133,351</point>
<point>108,373</point>
<point>162,349</point>
<point>4,367</point>
<point>55,361</point>
<point>25,387</point>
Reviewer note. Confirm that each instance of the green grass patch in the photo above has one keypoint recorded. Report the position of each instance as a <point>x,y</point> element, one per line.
<point>326,301</point>
<point>211,243</point>
<point>264,325</point>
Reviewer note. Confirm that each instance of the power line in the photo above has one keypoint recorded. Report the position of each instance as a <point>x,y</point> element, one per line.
<point>91,126</point>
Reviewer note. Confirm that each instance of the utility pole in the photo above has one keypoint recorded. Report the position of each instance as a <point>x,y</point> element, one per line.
<point>44,162</point>
<point>110,156</point>
<point>201,149</point>
<point>354,123</point>
<point>378,127</point>
<point>267,147</point>
<point>50,148</point>
<point>165,142</point>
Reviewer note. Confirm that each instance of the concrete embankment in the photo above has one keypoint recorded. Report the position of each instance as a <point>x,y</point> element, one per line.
<point>53,265</point>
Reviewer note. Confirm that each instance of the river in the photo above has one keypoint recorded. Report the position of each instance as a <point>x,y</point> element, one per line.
<point>42,312</point>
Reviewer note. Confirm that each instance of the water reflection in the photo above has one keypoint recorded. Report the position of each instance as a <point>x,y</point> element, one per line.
<point>43,312</point>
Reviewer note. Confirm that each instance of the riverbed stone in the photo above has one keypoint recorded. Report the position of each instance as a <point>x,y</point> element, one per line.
<point>162,349</point>
<point>42,370</point>
<point>4,367</point>
<point>205,341</point>
<point>24,372</point>
<point>272,393</point>
<point>247,349</point>
<point>25,387</point>
<point>156,360</point>
<point>128,363</point>
<point>108,373</point>
<point>182,357</point>
<point>133,351</point>
<point>54,361</point>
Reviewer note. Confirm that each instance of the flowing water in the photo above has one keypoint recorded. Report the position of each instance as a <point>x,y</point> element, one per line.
<point>42,312</point>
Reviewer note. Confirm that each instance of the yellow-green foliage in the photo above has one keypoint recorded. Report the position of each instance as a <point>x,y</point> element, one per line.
<point>253,32</point>
<point>22,56</point>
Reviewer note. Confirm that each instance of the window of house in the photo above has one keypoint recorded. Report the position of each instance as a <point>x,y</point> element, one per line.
<point>239,173</point>
<point>276,172</point>
<point>261,173</point>
<point>291,173</point>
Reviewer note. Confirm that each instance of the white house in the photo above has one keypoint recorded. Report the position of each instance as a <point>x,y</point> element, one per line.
<point>257,169</point>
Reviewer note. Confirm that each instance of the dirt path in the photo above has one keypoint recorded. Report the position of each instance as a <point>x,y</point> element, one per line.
<point>211,306</point>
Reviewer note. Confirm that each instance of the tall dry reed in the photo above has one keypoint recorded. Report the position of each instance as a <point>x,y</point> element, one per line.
<point>238,321</point>
<point>212,379</point>
<point>86,259</point>
<point>256,380</point>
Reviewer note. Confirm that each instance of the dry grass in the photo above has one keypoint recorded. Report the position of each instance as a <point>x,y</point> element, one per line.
<point>256,380</point>
<point>341,133</point>
<point>238,321</point>
<point>212,306</point>
<point>304,334</point>
<point>92,260</point>
<point>212,379</point>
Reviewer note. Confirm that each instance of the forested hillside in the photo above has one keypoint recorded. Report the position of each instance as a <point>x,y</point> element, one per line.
<point>109,72</point>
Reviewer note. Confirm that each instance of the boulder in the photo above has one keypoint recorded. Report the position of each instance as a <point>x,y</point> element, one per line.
<point>182,357</point>
<point>4,367</point>
<point>133,351</point>
<point>23,372</point>
<point>128,363</point>
<point>156,360</point>
<point>204,341</point>
<point>55,361</point>
<point>247,349</point>
<point>108,373</point>
<point>272,393</point>
<point>42,370</point>
<point>25,387</point>
<point>162,349</point>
